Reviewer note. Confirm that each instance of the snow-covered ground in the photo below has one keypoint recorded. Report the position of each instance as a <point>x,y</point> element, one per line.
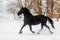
<point>9,30</point>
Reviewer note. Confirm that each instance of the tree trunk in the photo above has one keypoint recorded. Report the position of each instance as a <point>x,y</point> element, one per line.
<point>23,3</point>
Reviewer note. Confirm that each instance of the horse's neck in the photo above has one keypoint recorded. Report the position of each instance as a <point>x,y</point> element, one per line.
<point>28,14</point>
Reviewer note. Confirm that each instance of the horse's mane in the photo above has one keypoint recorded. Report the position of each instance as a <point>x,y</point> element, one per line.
<point>27,10</point>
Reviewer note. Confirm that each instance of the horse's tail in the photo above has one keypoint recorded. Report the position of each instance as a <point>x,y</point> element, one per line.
<point>51,21</point>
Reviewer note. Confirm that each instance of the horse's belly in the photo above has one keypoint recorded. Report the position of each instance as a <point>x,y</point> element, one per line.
<point>34,23</point>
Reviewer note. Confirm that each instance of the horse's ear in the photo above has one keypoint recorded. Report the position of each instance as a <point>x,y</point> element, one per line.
<point>22,6</point>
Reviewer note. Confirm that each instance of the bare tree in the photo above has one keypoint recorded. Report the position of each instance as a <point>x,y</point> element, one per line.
<point>35,5</point>
<point>13,7</point>
<point>57,8</point>
<point>50,5</point>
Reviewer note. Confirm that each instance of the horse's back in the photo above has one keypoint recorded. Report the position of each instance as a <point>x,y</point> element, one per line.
<point>41,18</point>
<point>34,20</point>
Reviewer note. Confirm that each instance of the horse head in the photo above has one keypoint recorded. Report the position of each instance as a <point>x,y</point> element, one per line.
<point>20,11</point>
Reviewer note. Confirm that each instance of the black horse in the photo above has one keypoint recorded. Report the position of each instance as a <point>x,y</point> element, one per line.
<point>30,20</point>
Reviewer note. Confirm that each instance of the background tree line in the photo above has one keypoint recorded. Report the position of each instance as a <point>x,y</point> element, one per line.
<point>36,6</point>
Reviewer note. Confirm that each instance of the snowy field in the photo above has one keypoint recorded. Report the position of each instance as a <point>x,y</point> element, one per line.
<point>9,30</point>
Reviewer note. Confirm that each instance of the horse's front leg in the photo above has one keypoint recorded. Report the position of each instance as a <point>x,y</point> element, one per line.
<point>22,28</point>
<point>31,29</point>
<point>41,28</point>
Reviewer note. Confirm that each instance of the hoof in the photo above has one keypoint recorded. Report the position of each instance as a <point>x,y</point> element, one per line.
<point>38,33</point>
<point>33,32</point>
<point>51,32</point>
<point>20,32</point>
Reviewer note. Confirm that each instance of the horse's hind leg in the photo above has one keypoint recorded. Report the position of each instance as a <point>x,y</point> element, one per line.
<point>31,29</point>
<point>49,29</point>
<point>52,25</point>
<point>22,28</point>
<point>41,28</point>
